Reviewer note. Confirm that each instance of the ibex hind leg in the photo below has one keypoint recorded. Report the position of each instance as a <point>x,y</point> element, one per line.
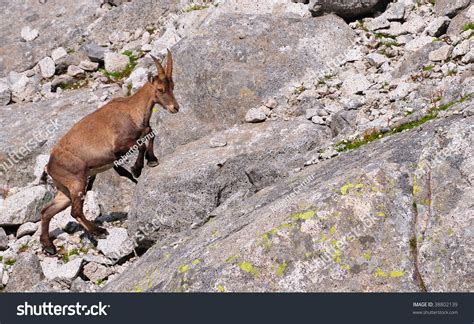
<point>59,203</point>
<point>77,193</point>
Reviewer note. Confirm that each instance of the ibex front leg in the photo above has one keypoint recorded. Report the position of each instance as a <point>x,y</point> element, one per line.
<point>150,155</point>
<point>144,149</point>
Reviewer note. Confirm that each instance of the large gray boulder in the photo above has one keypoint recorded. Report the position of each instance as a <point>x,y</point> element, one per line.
<point>200,176</point>
<point>24,206</point>
<point>131,16</point>
<point>393,215</point>
<point>450,7</point>
<point>26,273</point>
<point>461,19</point>
<point>348,9</point>
<point>237,61</point>
<point>70,21</point>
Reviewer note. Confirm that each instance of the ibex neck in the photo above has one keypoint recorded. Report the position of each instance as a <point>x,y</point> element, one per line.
<point>143,102</point>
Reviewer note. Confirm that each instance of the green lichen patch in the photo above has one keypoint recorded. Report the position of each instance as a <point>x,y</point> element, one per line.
<point>230,259</point>
<point>345,189</point>
<point>183,268</point>
<point>378,273</point>
<point>281,269</point>
<point>396,274</point>
<point>304,216</point>
<point>247,267</point>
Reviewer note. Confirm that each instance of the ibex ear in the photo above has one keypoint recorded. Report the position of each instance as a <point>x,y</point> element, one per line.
<point>150,77</point>
<point>169,65</point>
<point>159,67</point>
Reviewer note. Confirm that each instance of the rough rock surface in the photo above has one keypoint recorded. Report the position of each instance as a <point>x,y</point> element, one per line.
<point>25,274</point>
<point>251,159</point>
<point>346,225</point>
<point>52,269</point>
<point>450,7</point>
<point>23,206</point>
<point>238,71</point>
<point>249,206</point>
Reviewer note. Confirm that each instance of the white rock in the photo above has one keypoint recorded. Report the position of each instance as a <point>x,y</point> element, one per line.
<point>318,120</point>
<point>137,78</point>
<point>5,278</point>
<point>469,57</point>
<point>47,67</point>
<point>418,43</point>
<point>26,229</point>
<point>115,62</point>
<point>402,90</point>
<point>89,65</point>
<point>310,113</point>
<point>167,40</point>
<point>376,59</point>
<point>441,54</point>
<point>20,243</point>
<point>354,83</point>
<point>1,275</point>
<point>91,205</point>
<point>395,11</point>
<point>29,34</point>
<point>396,29</point>
<point>52,269</point>
<point>24,206</point>
<point>271,103</point>
<point>354,55</point>
<point>3,240</point>
<point>116,245</point>
<point>255,115</point>
<point>404,39</point>
<point>40,162</point>
<point>58,54</point>
<point>22,87</point>
<point>5,92</point>
<point>146,48</point>
<point>95,271</point>
<point>378,23</point>
<point>438,26</point>
<point>74,71</point>
<point>415,25</point>
<point>462,48</point>
<point>353,102</point>
<point>470,13</point>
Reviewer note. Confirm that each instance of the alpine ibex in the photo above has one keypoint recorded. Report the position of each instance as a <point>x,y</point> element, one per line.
<point>93,144</point>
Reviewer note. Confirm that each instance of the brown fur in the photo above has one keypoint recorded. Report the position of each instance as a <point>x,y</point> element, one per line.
<point>93,144</point>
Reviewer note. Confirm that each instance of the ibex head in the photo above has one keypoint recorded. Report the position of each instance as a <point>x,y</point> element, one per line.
<point>163,84</point>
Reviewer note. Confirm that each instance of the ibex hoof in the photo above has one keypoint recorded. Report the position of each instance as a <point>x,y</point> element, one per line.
<point>152,164</point>
<point>99,232</point>
<point>136,172</point>
<point>50,249</point>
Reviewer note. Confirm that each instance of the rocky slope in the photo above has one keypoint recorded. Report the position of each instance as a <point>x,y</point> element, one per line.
<point>320,146</point>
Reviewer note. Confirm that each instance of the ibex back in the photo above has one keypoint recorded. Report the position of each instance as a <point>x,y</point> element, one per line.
<point>98,140</point>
